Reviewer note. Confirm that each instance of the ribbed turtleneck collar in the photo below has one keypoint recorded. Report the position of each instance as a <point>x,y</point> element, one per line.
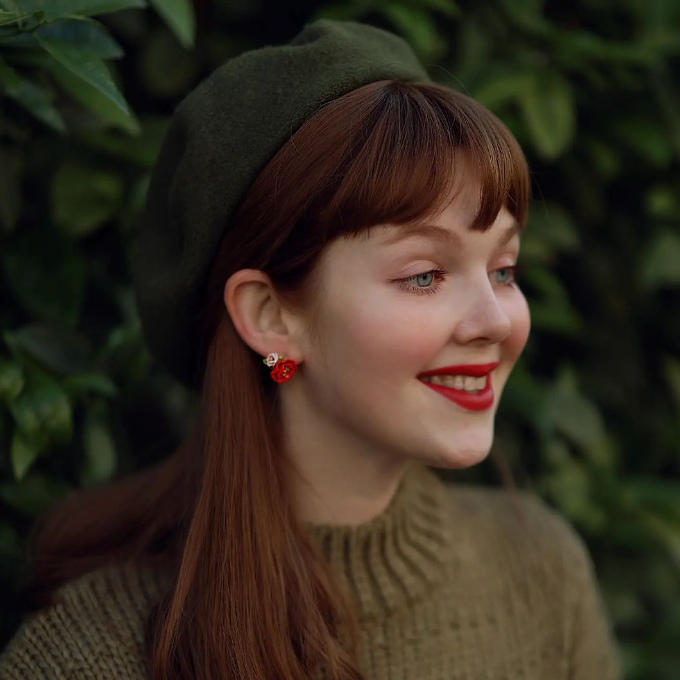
<point>395,558</point>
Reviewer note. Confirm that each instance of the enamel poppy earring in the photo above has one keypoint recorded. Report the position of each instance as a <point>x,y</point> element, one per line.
<point>282,368</point>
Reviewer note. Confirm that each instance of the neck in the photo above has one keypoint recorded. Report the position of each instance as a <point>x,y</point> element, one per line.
<point>333,476</point>
<point>344,496</point>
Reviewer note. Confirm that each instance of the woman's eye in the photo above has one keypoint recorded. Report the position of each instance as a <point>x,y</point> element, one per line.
<point>439,275</point>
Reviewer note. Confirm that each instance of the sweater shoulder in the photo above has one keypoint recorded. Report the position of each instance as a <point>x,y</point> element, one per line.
<point>524,530</point>
<point>95,627</point>
<point>547,561</point>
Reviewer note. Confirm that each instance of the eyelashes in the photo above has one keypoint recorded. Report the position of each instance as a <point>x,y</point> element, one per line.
<point>440,275</point>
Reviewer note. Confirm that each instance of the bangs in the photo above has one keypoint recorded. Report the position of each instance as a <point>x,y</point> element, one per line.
<point>414,150</point>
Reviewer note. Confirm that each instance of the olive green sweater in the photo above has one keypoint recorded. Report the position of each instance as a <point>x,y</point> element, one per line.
<point>449,584</point>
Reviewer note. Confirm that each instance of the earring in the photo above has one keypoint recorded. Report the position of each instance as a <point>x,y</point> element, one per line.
<point>282,368</point>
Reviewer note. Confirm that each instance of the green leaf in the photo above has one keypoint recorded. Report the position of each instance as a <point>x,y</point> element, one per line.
<point>85,65</point>
<point>31,18</point>
<point>57,9</point>
<point>23,454</point>
<point>668,533</point>
<point>655,494</point>
<point>142,150</point>
<point>446,7</point>
<point>658,264</point>
<point>179,16</point>
<point>9,17</point>
<point>126,355</point>
<point>416,25</point>
<point>43,411</point>
<point>24,39</point>
<point>93,100</point>
<point>571,46</point>
<point>550,231</point>
<point>166,68</point>
<point>473,49</point>
<point>562,321</point>
<point>502,87</point>
<point>11,380</point>
<point>551,309</point>
<point>523,393</point>
<point>527,18</point>
<point>84,197</point>
<point>86,383</point>
<point>342,12</point>
<point>99,464</point>
<point>662,202</point>
<point>547,285</point>
<point>549,114</point>
<point>605,159</point>
<point>86,34</point>
<point>59,349</point>
<point>671,374</point>
<point>569,484</point>
<point>31,97</point>
<point>573,414</point>
<point>33,494</point>
<point>646,136</point>
<point>46,275</point>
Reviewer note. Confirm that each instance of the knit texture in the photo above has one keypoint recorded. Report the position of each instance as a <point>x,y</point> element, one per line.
<point>449,582</point>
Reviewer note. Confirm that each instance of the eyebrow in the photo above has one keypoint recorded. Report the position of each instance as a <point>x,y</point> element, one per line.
<point>444,235</point>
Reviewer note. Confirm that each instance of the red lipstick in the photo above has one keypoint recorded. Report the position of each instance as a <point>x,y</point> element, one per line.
<point>472,402</point>
<point>475,370</point>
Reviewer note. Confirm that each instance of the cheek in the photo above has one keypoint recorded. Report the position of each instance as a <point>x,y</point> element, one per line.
<point>384,338</point>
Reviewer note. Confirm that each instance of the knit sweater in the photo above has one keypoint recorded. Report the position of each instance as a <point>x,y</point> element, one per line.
<point>449,583</point>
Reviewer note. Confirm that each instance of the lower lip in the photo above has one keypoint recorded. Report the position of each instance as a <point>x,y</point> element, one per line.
<point>473,402</point>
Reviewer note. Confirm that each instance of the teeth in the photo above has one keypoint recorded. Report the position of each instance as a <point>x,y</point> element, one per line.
<point>459,382</point>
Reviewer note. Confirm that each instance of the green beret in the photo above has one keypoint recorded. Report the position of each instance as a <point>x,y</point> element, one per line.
<point>220,137</point>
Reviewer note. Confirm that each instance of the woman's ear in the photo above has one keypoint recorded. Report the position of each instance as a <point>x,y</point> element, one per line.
<point>258,316</point>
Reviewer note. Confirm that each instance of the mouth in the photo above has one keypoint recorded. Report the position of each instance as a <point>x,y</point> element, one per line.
<point>471,393</point>
<point>460,383</point>
<point>474,370</point>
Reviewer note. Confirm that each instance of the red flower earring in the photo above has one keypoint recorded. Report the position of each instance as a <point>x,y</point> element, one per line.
<point>283,368</point>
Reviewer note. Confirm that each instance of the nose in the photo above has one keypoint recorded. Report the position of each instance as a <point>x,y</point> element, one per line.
<point>483,316</point>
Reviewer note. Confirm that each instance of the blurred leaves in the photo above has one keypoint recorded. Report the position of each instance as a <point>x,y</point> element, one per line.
<point>32,97</point>
<point>60,350</point>
<point>179,16</point>
<point>84,63</point>
<point>61,38</point>
<point>33,494</point>
<point>46,275</point>
<point>548,109</point>
<point>58,9</point>
<point>43,416</point>
<point>84,197</point>
<point>99,464</point>
<point>659,263</point>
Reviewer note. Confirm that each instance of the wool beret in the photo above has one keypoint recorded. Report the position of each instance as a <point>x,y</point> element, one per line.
<point>220,137</point>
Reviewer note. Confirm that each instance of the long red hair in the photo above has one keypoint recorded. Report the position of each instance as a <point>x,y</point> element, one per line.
<point>214,516</point>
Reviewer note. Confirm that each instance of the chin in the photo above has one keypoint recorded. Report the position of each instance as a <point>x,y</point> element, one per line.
<point>459,460</point>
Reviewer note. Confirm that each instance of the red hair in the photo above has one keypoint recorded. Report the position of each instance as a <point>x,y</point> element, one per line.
<point>215,516</point>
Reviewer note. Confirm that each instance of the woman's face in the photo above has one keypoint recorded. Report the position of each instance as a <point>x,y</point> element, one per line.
<point>376,335</point>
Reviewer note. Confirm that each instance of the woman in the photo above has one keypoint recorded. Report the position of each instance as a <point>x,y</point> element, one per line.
<point>326,229</point>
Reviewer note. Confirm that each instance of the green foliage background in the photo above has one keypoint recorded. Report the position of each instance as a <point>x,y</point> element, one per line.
<point>590,418</point>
